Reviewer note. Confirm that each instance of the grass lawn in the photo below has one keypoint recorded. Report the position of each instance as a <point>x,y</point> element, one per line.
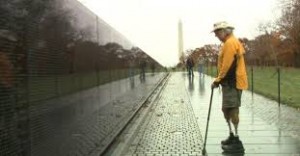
<point>266,83</point>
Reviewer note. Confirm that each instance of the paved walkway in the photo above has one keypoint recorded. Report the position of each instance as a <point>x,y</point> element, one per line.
<point>264,128</point>
<point>171,128</point>
<point>177,121</point>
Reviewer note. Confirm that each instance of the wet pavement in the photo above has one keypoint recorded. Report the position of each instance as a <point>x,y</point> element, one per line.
<point>264,128</point>
<point>176,123</point>
<point>171,127</point>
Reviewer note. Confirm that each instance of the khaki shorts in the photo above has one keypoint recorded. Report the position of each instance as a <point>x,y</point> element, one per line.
<point>231,96</point>
<point>231,102</point>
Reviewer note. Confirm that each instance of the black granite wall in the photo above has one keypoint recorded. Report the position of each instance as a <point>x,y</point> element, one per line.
<point>68,80</point>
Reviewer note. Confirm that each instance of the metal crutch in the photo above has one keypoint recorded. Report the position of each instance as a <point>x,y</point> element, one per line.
<point>207,122</point>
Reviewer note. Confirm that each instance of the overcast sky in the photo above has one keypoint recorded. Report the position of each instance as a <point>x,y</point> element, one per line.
<point>152,24</point>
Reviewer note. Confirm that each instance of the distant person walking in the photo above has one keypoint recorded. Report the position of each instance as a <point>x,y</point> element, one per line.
<point>190,65</point>
<point>201,63</point>
<point>233,78</point>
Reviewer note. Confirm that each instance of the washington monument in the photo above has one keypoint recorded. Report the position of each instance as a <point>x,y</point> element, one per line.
<point>180,42</point>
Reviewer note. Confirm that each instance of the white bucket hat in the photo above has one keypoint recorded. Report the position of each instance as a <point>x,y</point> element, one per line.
<point>222,25</point>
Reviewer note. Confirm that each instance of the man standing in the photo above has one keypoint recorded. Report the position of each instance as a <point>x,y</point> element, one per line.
<point>233,78</point>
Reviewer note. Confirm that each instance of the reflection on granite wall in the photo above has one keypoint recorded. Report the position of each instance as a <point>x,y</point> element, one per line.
<point>62,69</point>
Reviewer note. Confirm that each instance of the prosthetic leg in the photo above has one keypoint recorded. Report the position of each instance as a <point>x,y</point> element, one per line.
<point>232,144</point>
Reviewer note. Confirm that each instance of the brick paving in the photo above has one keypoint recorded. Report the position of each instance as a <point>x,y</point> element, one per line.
<point>171,128</point>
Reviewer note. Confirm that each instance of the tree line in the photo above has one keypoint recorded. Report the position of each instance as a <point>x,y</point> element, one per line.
<point>278,43</point>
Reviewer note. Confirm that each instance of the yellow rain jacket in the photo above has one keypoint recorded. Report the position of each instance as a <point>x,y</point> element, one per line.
<point>232,47</point>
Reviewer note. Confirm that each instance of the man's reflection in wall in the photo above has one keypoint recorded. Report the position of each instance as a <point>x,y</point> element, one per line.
<point>153,66</point>
<point>143,65</point>
<point>131,71</point>
<point>7,105</point>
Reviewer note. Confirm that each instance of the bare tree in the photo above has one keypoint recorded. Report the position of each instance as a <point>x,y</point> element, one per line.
<point>289,24</point>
